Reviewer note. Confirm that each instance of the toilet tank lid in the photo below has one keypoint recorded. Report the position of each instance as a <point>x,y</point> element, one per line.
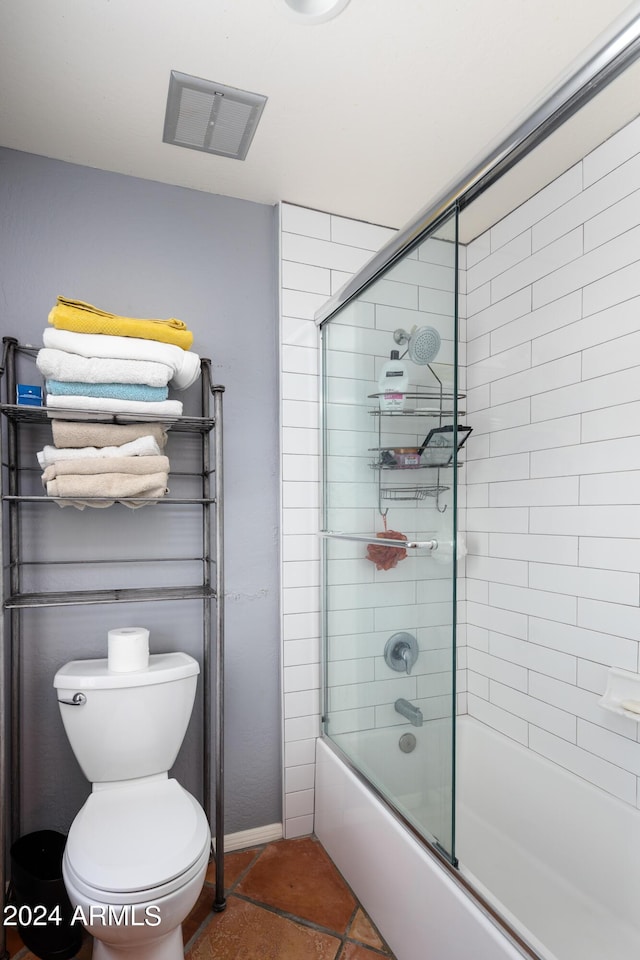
<point>95,674</point>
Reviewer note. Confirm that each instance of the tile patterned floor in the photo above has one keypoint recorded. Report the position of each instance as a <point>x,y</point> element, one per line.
<point>285,901</point>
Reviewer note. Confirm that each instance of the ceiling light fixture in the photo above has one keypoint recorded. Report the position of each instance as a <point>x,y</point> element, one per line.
<point>211,117</point>
<point>314,11</point>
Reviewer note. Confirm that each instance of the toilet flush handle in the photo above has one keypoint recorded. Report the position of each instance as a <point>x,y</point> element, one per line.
<point>76,700</point>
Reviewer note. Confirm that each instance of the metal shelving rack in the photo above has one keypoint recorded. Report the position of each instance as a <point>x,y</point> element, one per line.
<point>209,589</point>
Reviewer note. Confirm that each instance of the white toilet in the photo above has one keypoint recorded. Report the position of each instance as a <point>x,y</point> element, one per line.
<point>137,852</point>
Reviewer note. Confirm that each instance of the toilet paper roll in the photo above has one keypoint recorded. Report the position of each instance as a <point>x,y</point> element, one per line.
<point>128,649</point>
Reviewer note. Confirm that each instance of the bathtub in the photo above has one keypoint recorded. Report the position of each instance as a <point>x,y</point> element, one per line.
<point>557,858</point>
<point>419,781</point>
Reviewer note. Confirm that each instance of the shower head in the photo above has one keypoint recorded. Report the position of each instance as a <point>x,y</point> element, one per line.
<point>423,343</point>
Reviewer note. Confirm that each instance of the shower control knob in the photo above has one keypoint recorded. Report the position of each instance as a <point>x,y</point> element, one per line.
<point>401,652</point>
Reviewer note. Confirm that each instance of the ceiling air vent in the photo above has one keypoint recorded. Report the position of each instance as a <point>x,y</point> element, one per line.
<point>207,116</point>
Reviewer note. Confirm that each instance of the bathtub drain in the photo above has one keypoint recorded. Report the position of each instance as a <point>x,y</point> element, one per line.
<point>407,743</point>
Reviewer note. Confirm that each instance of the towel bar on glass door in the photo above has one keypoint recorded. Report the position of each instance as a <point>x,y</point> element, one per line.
<point>365,538</point>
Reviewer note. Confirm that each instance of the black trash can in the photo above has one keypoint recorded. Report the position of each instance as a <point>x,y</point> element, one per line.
<point>43,910</point>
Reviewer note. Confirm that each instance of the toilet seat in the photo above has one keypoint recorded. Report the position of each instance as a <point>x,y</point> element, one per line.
<point>137,841</point>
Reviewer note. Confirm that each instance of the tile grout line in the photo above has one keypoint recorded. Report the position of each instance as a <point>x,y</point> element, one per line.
<point>343,938</point>
<point>212,913</point>
<point>295,918</point>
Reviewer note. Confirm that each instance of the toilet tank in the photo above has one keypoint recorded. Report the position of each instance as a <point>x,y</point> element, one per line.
<point>127,725</point>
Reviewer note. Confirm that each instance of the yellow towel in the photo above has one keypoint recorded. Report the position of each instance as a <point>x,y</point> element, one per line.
<point>83,318</point>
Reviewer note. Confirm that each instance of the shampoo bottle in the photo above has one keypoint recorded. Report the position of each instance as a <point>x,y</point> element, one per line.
<point>393,383</point>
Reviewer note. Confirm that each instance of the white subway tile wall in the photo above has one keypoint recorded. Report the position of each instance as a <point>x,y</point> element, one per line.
<point>366,606</point>
<point>553,494</point>
<point>318,254</point>
<point>550,503</point>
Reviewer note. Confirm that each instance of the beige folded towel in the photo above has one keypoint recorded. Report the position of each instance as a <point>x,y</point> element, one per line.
<point>121,487</point>
<point>137,466</point>
<point>71,433</point>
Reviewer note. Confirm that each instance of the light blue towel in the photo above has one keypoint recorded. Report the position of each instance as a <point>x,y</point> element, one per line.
<point>113,391</point>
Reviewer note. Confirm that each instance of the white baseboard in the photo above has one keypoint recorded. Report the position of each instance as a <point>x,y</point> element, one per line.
<point>251,838</point>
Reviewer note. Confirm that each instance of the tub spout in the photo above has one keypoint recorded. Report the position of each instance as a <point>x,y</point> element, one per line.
<point>410,711</point>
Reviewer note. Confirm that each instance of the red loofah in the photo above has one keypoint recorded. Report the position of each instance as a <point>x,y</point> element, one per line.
<point>386,557</point>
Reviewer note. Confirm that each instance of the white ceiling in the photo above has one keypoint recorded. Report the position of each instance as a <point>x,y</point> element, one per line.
<point>368,116</point>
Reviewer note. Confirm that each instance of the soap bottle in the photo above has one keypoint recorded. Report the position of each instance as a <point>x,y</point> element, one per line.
<point>393,383</point>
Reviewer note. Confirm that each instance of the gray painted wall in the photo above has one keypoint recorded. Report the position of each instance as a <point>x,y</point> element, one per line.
<point>145,249</point>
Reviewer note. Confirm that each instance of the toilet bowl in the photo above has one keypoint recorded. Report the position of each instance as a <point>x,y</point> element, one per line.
<point>137,851</point>
<point>131,930</point>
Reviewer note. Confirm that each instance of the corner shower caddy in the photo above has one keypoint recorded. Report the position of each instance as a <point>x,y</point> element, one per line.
<point>419,403</point>
<point>15,421</point>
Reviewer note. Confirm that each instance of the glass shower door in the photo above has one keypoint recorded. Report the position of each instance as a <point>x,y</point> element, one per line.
<point>391,430</point>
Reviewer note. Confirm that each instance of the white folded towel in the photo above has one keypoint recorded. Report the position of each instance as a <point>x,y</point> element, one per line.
<point>72,368</point>
<point>184,363</point>
<point>92,408</point>
<point>141,447</point>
